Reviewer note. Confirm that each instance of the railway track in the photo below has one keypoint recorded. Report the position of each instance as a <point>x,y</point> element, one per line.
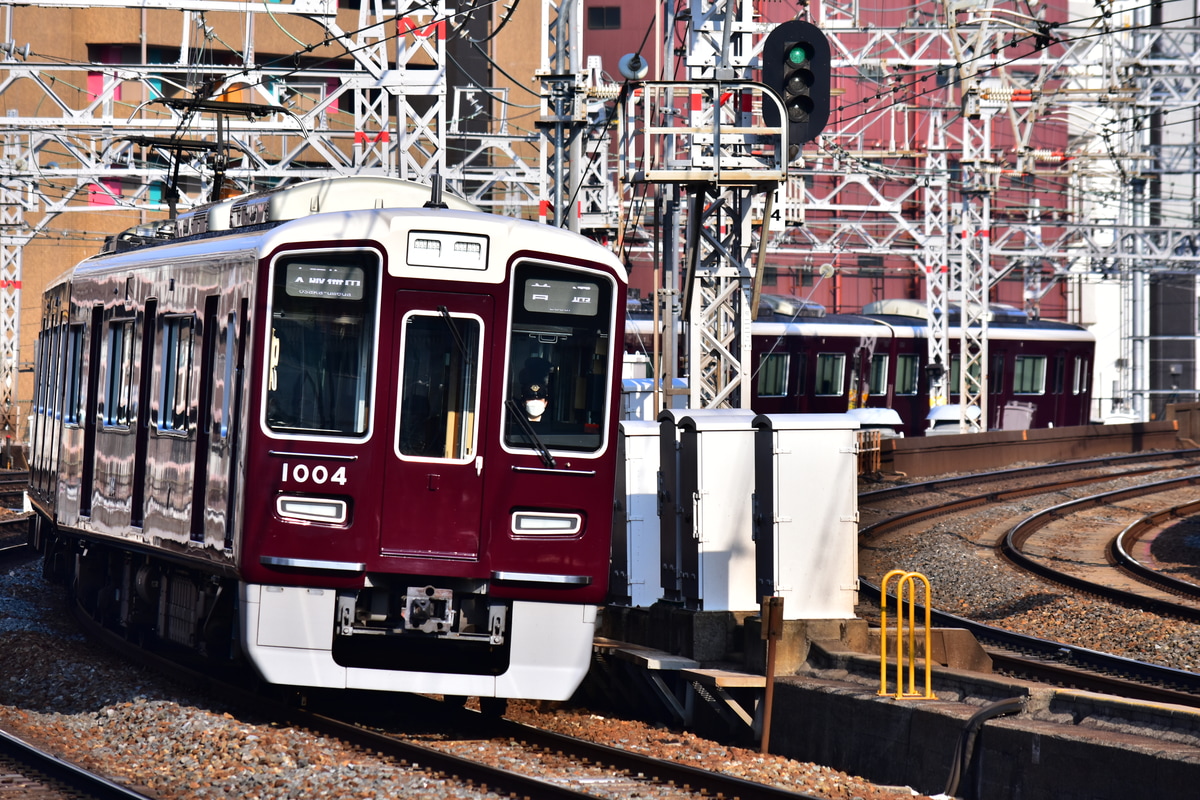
<point>12,488</point>
<point>30,773</point>
<point>13,542</point>
<point>1047,661</point>
<point>1030,656</point>
<point>361,725</point>
<point>1144,589</point>
<point>1122,548</point>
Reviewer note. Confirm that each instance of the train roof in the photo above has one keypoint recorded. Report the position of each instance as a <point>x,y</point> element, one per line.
<point>286,203</point>
<point>868,326</point>
<point>910,327</point>
<point>350,208</point>
<point>904,311</point>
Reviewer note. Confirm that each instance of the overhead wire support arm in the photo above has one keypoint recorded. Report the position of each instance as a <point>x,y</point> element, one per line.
<point>673,148</point>
<point>248,110</point>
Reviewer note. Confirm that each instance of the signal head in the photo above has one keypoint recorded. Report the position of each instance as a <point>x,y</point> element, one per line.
<point>796,64</point>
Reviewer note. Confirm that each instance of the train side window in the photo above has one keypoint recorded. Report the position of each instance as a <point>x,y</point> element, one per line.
<point>1079,384</point>
<point>773,375</point>
<point>956,374</point>
<point>439,386</point>
<point>996,376</point>
<point>321,360</point>
<point>39,374</point>
<point>73,400</point>
<point>118,386</point>
<point>55,372</point>
<point>831,373</point>
<point>1029,375</point>
<point>907,370</point>
<point>879,372</point>
<point>175,402</point>
<point>227,388</point>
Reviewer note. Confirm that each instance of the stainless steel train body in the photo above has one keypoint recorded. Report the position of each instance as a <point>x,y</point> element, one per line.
<point>1039,372</point>
<point>299,436</point>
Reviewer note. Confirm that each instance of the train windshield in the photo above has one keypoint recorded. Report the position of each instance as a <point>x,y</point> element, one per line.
<point>558,359</point>
<point>322,337</point>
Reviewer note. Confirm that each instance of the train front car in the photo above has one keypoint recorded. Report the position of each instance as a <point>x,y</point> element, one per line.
<point>430,454</point>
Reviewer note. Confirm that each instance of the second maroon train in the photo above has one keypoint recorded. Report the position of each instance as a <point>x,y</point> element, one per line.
<point>1039,372</point>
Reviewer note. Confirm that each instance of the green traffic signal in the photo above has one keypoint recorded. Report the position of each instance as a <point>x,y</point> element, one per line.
<point>796,64</point>
<point>798,55</point>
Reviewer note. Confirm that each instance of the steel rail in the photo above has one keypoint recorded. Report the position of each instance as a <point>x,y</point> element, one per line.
<point>998,496</point>
<point>1019,534</point>
<point>445,765</point>
<point>1120,550</point>
<point>1044,659</point>
<point>51,769</point>
<point>877,495</point>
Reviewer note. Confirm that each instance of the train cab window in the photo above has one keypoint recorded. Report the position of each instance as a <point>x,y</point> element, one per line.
<point>1029,375</point>
<point>907,370</point>
<point>879,371</point>
<point>831,372</point>
<point>321,358</point>
<point>773,375</point>
<point>439,386</point>
<point>559,358</point>
<point>118,394</point>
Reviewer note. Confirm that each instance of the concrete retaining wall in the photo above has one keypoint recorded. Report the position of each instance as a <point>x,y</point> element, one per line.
<point>922,456</point>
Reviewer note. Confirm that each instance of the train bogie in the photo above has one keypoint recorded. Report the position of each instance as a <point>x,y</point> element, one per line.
<point>318,436</point>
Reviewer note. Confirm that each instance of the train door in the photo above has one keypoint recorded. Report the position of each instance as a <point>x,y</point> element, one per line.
<point>204,419</point>
<point>91,405</point>
<point>433,482</point>
<point>137,505</point>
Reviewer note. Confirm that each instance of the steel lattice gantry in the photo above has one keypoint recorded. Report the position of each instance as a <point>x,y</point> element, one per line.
<point>86,143</point>
<point>981,80</point>
<point>1117,76</point>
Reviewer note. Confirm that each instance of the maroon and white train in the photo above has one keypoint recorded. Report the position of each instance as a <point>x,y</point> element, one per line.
<point>1039,372</point>
<point>294,430</point>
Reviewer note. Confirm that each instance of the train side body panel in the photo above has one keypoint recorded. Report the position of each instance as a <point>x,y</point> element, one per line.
<point>1039,372</point>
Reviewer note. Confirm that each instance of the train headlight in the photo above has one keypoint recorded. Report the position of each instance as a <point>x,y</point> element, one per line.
<point>311,509</point>
<point>546,523</point>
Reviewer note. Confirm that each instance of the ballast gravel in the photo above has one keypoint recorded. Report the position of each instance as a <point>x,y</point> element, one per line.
<point>78,700</point>
<point>968,580</point>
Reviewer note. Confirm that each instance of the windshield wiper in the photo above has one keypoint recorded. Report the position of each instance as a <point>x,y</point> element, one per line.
<point>528,430</point>
<point>458,340</point>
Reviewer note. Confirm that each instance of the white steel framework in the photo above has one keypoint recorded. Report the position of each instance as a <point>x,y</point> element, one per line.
<point>949,77</point>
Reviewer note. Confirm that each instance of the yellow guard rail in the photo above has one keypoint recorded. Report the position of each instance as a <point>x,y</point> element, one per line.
<point>905,581</point>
